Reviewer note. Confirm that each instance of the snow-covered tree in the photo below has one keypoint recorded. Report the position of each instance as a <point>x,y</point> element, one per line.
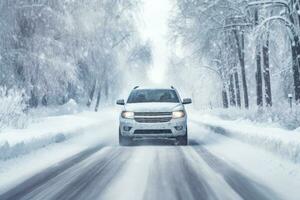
<point>252,45</point>
<point>60,49</point>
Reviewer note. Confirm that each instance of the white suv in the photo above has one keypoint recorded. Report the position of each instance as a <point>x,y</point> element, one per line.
<point>153,114</point>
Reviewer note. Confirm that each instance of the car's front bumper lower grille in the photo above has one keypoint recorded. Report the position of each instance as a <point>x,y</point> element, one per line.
<point>149,132</point>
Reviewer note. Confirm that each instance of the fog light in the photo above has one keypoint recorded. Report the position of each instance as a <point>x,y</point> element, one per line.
<point>127,128</point>
<point>179,128</point>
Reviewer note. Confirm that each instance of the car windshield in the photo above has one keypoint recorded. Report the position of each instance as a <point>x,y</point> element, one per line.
<point>148,96</point>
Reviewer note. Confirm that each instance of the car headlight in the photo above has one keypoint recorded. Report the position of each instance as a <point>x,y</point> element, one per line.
<point>178,114</point>
<point>127,114</point>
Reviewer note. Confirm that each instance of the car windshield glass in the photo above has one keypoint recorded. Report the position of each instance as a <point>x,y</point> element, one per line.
<point>147,96</point>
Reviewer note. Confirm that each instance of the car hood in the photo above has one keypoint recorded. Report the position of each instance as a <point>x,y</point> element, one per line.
<point>153,107</point>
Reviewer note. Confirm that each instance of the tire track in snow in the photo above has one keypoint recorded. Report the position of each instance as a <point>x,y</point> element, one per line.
<point>172,177</point>
<point>175,173</point>
<point>247,188</point>
<point>91,183</point>
<point>84,180</point>
<point>42,177</point>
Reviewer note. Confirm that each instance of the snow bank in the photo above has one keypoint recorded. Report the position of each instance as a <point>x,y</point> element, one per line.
<point>46,131</point>
<point>279,115</point>
<point>285,143</point>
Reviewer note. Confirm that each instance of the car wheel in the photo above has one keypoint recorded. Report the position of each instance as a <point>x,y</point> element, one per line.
<point>182,140</point>
<point>123,140</point>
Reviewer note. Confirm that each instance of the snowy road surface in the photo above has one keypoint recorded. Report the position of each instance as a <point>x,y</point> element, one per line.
<point>211,167</point>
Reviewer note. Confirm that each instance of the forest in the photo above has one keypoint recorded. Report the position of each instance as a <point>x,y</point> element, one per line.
<point>54,51</point>
<point>251,48</point>
<point>242,56</point>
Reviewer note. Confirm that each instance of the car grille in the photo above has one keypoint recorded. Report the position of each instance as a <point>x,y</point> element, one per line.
<point>152,117</point>
<point>152,113</point>
<point>153,120</point>
<point>145,132</point>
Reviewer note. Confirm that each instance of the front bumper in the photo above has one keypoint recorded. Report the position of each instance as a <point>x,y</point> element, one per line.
<point>171,129</point>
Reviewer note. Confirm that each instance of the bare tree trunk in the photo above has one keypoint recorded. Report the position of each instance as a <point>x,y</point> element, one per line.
<point>44,100</point>
<point>259,85</point>
<point>266,73</point>
<point>232,91</point>
<point>98,100</point>
<point>225,97</point>
<point>33,101</point>
<point>241,54</point>
<point>296,74</point>
<point>258,74</point>
<point>298,12</point>
<point>296,61</point>
<point>91,96</point>
<point>237,87</point>
<point>106,89</point>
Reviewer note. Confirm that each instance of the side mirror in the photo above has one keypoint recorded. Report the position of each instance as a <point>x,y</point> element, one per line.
<point>187,101</point>
<point>121,102</point>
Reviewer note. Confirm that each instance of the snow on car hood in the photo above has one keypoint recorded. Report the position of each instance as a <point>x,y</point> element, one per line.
<point>153,107</point>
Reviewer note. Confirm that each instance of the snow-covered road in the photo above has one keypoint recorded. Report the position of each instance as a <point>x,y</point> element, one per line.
<point>213,166</point>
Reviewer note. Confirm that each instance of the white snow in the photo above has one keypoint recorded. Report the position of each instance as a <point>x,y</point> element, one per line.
<point>15,171</point>
<point>33,149</point>
<point>48,130</point>
<point>87,129</point>
<point>285,143</point>
<point>281,175</point>
<point>215,180</point>
<point>133,181</point>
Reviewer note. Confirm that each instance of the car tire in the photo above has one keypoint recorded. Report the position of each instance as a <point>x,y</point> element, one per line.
<point>183,140</point>
<point>124,141</point>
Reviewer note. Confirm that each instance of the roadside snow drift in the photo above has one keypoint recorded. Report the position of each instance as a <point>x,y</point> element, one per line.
<point>48,130</point>
<point>279,141</point>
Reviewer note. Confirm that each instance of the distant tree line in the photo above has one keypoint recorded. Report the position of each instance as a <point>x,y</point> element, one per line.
<point>253,46</point>
<point>60,49</point>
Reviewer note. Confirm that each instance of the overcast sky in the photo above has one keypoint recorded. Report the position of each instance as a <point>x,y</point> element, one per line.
<point>154,27</point>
